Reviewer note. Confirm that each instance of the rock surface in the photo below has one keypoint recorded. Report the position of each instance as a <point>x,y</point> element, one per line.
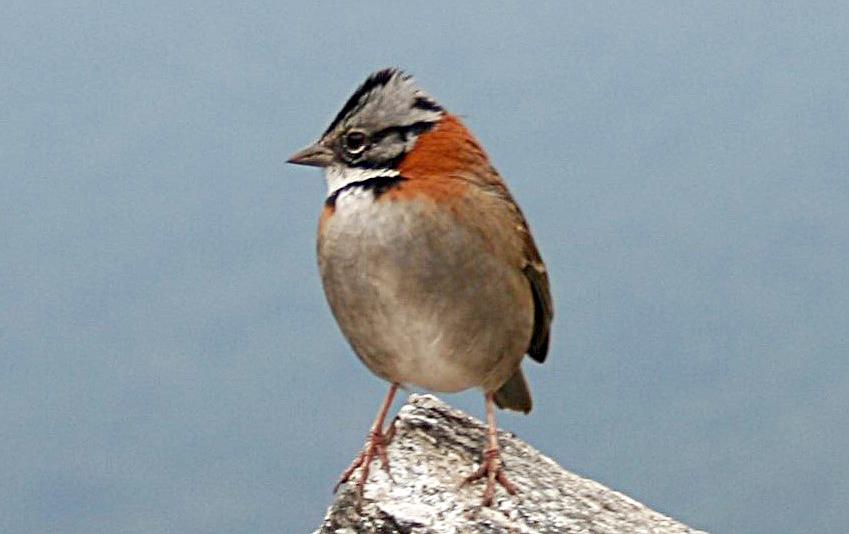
<point>435,446</point>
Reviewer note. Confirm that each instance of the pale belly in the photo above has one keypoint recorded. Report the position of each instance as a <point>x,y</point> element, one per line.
<point>422,301</point>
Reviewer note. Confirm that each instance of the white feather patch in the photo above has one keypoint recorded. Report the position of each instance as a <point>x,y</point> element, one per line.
<point>339,176</point>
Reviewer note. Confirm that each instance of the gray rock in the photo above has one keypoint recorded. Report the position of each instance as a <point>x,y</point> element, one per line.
<point>436,446</point>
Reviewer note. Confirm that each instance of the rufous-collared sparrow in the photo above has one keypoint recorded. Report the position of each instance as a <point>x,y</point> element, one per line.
<point>427,262</point>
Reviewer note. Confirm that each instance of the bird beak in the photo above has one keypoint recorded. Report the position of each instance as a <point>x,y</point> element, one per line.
<point>316,155</point>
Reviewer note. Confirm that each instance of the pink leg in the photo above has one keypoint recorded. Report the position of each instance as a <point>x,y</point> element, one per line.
<point>492,467</point>
<point>375,445</point>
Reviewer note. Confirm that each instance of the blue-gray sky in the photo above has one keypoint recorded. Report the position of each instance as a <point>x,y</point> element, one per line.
<point>168,362</point>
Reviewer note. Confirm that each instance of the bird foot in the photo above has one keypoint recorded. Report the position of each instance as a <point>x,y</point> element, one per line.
<point>492,469</point>
<point>375,446</point>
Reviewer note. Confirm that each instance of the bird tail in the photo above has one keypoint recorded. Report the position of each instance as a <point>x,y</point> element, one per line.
<point>514,394</point>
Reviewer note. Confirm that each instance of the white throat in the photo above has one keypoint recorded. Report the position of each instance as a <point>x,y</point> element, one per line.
<point>339,176</point>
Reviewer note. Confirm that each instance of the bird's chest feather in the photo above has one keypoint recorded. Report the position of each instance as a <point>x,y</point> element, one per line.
<point>418,295</point>
<point>376,254</point>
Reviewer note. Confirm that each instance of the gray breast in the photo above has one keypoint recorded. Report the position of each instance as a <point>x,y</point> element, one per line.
<point>421,299</point>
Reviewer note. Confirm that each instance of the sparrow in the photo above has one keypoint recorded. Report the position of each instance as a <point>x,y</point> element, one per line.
<point>426,260</point>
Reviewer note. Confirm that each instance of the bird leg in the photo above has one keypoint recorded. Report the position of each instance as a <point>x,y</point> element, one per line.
<point>375,445</point>
<point>492,468</point>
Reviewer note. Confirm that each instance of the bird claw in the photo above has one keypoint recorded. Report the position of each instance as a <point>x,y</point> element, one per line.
<point>492,468</point>
<point>375,446</point>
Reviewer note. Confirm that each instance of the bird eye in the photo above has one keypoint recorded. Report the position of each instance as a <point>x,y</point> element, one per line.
<point>355,142</point>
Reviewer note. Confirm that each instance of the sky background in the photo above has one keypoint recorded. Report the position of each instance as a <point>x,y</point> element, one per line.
<point>168,362</point>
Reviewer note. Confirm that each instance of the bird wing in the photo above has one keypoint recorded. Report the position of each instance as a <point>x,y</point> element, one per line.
<point>531,264</point>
